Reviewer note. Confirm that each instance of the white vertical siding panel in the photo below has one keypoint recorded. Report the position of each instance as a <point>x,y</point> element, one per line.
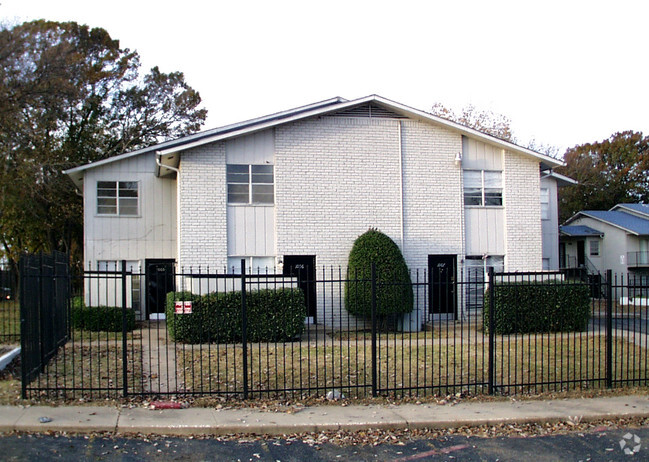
<point>479,155</point>
<point>257,148</point>
<point>251,231</point>
<point>152,234</point>
<point>484,231</point>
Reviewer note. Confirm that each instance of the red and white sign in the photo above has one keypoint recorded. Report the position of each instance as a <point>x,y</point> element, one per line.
<point>183,307</point>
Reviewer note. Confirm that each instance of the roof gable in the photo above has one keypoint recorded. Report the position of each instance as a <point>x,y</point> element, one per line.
<point>630,223</point>
<point>635,209</point>
<point>370,106</point>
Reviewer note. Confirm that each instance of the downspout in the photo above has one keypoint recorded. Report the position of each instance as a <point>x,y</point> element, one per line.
<point>158,156</point>
<point>403,242</point>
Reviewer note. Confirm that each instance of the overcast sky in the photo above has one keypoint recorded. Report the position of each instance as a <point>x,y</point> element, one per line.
<point>565,72</point>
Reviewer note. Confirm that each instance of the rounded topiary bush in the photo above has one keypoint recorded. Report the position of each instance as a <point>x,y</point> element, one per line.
<point>394,287</point>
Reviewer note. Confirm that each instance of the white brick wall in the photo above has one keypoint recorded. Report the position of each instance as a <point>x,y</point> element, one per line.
<point>202,208</point>
<point>335,177</point>
<point>432,193</point>
<point>523,237</point>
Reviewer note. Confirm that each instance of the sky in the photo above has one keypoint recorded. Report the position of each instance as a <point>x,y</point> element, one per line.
<point>565,72</point>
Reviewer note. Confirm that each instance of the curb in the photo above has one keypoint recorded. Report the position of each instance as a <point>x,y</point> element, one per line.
<point>212,422</point>
<point>6,358</point>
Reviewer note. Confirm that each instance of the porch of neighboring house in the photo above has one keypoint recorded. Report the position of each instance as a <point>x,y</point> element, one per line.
<point>576,245</point>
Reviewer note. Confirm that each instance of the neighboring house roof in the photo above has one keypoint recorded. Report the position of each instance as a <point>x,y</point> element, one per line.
<point>312,110</point>
<point>562,180</point>
<point>625,221</point>
<point>579,231</point>
<point>642,209</point>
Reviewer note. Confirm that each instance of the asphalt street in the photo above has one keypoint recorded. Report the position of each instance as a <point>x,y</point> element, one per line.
<point>601,445</point>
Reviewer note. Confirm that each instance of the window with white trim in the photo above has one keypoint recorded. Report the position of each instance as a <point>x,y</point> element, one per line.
<point>250,184</point>
<point>254,265</point>
<point>117,198</point>
<point>133,279</point>
<point>594,248</point>
<point>483,188</point>
<point>476,276</point>
<point>545,204</point>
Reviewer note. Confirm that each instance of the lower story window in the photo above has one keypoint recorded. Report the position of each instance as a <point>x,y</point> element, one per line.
<point>594,248</point>
<point>108,290</point>
<point>254,265</point>
<point>476,274</point>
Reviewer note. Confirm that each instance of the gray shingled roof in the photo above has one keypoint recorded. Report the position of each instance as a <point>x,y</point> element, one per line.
<point>626,221</point>
<point>579,231</point>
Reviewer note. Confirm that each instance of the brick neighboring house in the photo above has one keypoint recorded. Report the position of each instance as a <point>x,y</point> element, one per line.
<point>297,188</point>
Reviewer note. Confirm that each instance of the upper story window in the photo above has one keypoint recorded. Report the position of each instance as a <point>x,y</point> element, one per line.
<point>250,184</point>
<point>117,198</point>
<point>483,188</point>
<point>545,204</point>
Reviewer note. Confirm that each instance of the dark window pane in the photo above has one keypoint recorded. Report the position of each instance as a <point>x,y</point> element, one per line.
<point>234,198</point>
<point>238,188</point>
<point>263,194</point>
<point>262,169</point>
<point>472,196</point>
<point>106,210</point>
<point>128,206</point>
<point>493,197</point>
<point>106,185</point>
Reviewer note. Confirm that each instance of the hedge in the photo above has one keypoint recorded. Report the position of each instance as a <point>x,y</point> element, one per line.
<point>273,316</point>
<point>528,307</point>
<point>100,318</point>
<point>394,287</point>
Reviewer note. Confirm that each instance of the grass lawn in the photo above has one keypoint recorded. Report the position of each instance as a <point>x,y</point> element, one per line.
<point>89,367</point>
<point>555,362</point>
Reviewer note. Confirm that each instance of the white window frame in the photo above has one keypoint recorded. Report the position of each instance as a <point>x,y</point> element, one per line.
<point>545,203</point>
<point>256,182</point>
<point>480,265</point>
<point>486,191</point>
<point>120,200</point>
<point>254,265</point>
<point>593,248</point>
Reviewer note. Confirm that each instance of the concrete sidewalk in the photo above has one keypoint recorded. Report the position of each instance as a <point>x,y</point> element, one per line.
<point>203,421</point>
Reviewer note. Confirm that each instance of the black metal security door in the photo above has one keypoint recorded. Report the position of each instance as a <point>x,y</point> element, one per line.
<point>442,276</point>
<point>159,282</point>
<point>581,253</point>
<point>303,267</point>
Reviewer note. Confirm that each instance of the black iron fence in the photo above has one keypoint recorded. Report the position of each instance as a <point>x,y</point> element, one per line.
<point>45,327</point>
<point>155,331</point>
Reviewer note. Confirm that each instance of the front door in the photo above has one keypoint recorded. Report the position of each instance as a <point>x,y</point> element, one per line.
<point>159,282</point>
<point>562,255</point>
<point>303,267</point>
<point>581,253</point>
<point>441,277</point>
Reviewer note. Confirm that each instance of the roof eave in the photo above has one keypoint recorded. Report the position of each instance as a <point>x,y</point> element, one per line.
<point>615,225</point>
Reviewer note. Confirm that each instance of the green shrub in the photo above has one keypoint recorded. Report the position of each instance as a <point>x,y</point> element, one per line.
<point>394,287</point>
<point>100,318</point>
<point>273,316</point>
<point>538,307</point>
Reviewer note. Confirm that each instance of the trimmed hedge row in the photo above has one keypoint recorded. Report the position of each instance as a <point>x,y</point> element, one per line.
<point>100,318</point>
<point>273,316</point>
<point>529,307</point>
